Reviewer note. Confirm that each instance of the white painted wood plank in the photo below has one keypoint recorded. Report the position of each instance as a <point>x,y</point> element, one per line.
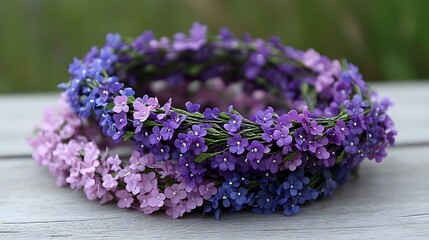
<point>20,113</point>
<point>388,201</point>
<point>19,116</point>
<point>411,110</point>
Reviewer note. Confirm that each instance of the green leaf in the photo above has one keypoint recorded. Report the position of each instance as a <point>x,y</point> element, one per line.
<point>128,135</point>
<point>203,156</point>
<point>110,106</point>
<point>131,99</point>
<point>149,123</point>
<point>150,68</point>
<point>341,157</point>
<point>344,64</point>
<point>195,69</point>
<point>289,156</point>
<point>304,88</point>
<point>233,111</point>
<point>224,115</point>
<point>356,88</point>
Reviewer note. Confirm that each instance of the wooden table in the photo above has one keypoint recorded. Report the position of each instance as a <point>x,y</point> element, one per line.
<point>389,200</point>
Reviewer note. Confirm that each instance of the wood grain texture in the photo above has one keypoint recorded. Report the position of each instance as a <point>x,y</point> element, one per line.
<point>22,113</point>
<point>387,201</point>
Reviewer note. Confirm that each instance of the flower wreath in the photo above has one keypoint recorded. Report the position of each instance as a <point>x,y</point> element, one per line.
<point>264,127</point>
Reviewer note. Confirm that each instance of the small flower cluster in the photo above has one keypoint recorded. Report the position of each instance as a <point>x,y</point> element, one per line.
<point>67,146</point>
<point>217,160</point>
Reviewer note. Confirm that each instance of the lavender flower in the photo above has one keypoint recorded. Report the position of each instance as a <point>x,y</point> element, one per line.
<point>234,124</point>
<point>121,104</point>
<point>237,144</point>
<point>264,118</point>
<point>125,199</point>
<point>224,161</point>
<point>282,137</point>
<point>256,150</point>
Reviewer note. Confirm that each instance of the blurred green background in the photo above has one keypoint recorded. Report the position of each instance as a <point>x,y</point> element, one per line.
<point>387,39</point>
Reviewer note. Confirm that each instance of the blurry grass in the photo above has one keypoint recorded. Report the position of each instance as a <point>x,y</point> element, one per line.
<point>387,39</point>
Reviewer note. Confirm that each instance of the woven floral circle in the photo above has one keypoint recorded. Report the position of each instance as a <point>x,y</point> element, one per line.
<point>214,123</point>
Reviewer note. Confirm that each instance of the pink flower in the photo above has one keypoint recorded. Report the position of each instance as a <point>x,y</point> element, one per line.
<point>148,182</point>
<point>207,191</point>
<point>295,162</point>
<point>194,200</point>
<point>175,210</point>
<point>109,182</point>
<point>138,162</point>
<point>175,193</point>
<point>114,163</point>
<point>125,199</point>
<point>121,104</point>
<point>142,111</point>
<point>133,183</point>
<point>91,155</point>
<point>156,199</point>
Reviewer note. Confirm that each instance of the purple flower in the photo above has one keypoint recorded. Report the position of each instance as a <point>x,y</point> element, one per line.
<point>356,125</point>
<point>207,191</point>
<point>351,144</point>
<point>224,161</point>
<point>234,124</point>
<point>322,153</point>
<point>133,183</point>
<point>113,40</point>
<point>142,112</point>
<point>148,182</point>
<point>121,104</point>
<point>293,185</point>
<point>265,118</point>
<point>338,133</point>
<point>211,114</point>
<point>166,131</point>
<point>268,134</point>
<point>161,152</point>
<point>155,137</point>
<point>125,199</point>
<point>295,162</point>
<point>176,120</point>
<point>355,106</point>
<point>166,108</point>
<point>283,121</point>
<point>192,107</point>
<point>114,163</point>
<point>237,144</point>
<point>156,199</point>
<point>301,136</point>
<point>256,150</point>
<point>194,200</point>
<point>272,163</point>
<point>198,131</point>
<point>313,128</point>
<point>109,182</point>
<point>282,137</point>
<point>290,208</point>
<point>197,38</point>
<point>239,196</point>
<point>117,135</point>
<point>120,120</point>
<point>182,143</point>
<point>175,193</point>
<point>142,41</point>
<point>198,144</point>
<point>313,143</point>
<point>127,92</point>
<point>138,162</point>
